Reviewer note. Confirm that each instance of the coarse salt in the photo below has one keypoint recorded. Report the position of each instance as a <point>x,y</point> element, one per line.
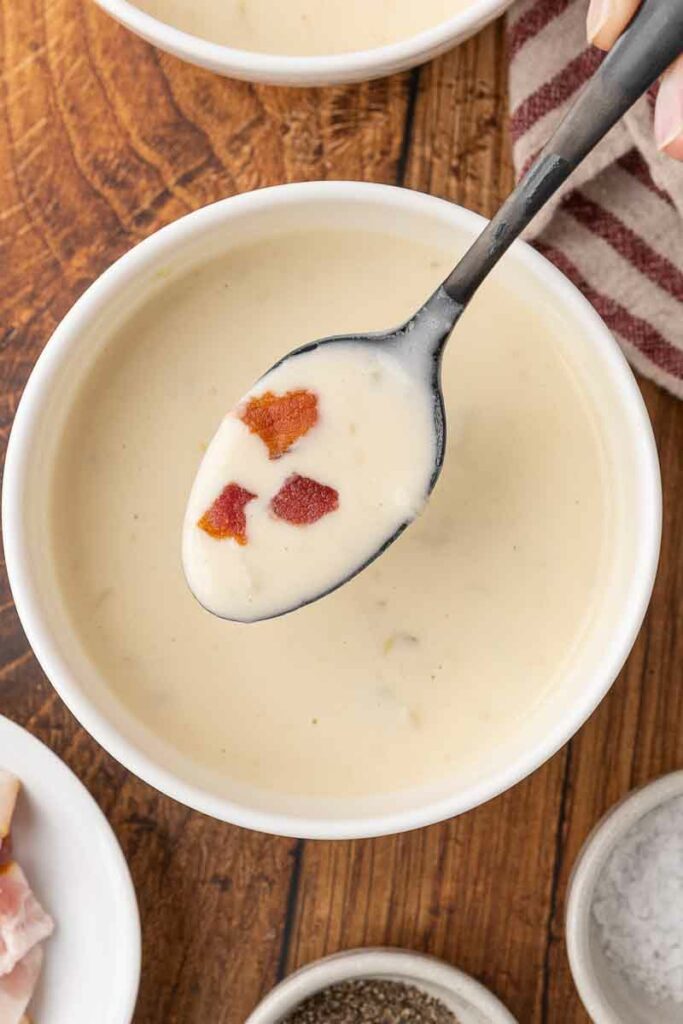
<point>638,904</point>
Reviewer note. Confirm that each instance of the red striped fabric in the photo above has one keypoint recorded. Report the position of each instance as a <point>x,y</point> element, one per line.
<point>618,235</point>
<point>533,20</point>
<point>555,92</point>
<point>626,242</point>
<point>633,163</point>
<point>643,334</point>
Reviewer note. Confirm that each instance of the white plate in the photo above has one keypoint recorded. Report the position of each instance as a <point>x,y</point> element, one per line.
<point>76,868</point>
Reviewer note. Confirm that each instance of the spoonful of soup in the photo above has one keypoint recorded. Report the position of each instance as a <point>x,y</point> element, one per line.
<point>320,467</point>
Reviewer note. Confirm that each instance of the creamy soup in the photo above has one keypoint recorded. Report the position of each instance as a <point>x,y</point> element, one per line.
<point>316,469</point>
<point>432,656</point>
<point>303,27</point>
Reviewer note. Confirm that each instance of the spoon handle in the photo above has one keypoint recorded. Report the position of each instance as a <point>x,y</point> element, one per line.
<point>653,40</point>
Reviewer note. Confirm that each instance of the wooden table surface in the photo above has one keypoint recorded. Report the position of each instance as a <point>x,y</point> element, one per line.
<point>102,141</point>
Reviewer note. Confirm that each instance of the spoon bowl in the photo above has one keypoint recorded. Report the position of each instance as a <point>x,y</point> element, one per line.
<point>391,440</point>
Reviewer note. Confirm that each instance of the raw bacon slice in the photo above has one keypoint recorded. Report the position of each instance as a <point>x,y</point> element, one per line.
<point>9,790</point>
<point>17,987</point>
<point>302,501</point>
<point>281,420</point>
<point>23,922</point>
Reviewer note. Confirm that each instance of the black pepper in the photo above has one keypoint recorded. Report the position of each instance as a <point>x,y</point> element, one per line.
<point>371,1002</point>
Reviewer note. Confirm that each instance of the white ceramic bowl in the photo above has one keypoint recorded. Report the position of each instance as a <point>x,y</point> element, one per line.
<point>608,997</point>
<point>74,863</point>
<point>467,998</point>
<point>635,488</point>
<point>334,69</point>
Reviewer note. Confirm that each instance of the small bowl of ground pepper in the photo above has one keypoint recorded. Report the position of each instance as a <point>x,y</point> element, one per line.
<point>380,986</point>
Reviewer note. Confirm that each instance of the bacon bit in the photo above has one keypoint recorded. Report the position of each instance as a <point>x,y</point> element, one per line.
<point>302,501</point>
<point>281,420</point>
<point>226,517</point>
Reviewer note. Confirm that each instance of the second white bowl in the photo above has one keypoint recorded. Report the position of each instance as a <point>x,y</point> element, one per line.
<point>335,69</point>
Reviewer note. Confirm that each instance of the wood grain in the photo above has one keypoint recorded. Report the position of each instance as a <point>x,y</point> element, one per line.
<point>102,141</point>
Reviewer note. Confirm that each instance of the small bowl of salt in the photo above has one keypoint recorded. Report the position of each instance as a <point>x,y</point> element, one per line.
<point>625,910</point>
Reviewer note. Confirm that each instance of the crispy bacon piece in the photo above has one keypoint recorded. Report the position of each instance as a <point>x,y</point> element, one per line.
<point>302,501</point>
<point>226,517</point>
<point>17,987</point>
<point>281,420</point>
<point>23,922</point>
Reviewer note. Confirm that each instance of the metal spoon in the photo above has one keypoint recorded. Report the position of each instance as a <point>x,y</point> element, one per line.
<point>649,45</point>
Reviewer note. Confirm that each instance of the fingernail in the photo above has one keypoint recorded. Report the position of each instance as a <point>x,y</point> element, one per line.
<point>669,108</point>
<point>598,16</point>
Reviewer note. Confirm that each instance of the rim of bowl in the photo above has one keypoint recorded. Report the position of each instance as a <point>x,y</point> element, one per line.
<point>27,595</point>
<point>330,69</point>
<point>593,856</point>
<point>377,962</point>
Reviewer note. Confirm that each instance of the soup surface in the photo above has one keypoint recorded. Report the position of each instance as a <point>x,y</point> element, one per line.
<point>303,27</point>
<point>436,653</point>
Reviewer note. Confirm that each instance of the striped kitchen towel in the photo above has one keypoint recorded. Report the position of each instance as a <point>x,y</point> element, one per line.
<point>617,229</point>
